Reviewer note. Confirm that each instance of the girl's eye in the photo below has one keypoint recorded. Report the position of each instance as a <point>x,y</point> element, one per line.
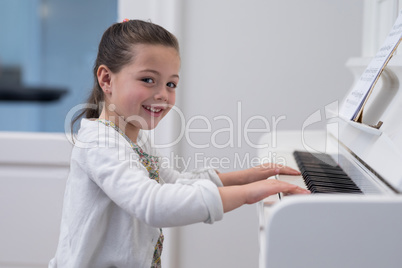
<point>171,85</point>
<point>147,80</point>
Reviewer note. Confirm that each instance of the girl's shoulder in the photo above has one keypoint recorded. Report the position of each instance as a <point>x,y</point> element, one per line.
<point>101,133</point>
<point>87,136</point>
<point>93,134</point>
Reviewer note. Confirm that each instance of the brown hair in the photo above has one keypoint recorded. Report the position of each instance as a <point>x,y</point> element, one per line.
<point>116,50</point>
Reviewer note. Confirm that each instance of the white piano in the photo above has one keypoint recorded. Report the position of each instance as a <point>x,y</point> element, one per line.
<point>338,226</point>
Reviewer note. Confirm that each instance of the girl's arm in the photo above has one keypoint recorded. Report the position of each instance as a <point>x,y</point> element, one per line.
<point>236,196</point>
<point>254,174</point>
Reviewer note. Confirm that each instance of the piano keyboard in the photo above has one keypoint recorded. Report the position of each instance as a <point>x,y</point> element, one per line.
<point>322,174</point>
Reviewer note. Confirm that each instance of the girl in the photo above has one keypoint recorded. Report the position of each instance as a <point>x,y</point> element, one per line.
<point>117,198</point>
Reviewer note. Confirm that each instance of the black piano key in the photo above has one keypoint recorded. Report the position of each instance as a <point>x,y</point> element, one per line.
<point>344,185</point>
<point>337,187</point>
<point>323,169</point>
<point>322,175</point>
<point>328,179</point>
<point>323,189</point>
<point>326,175</point>
<point>316,158</point>
<point>331,189</point>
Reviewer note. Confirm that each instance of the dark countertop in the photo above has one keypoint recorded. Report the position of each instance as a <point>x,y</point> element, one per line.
<point>33,94</point>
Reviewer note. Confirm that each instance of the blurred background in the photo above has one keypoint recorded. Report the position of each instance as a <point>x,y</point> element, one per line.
<point>48,47</point>
<point>259,65</point>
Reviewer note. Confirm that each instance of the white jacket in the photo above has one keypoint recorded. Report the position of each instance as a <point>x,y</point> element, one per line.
<point>112,211</point>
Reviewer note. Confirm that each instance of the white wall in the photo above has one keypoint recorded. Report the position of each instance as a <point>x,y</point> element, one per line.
<point>279,60</point>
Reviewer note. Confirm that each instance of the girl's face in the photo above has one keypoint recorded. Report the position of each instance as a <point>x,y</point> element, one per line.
<point>143,91</point>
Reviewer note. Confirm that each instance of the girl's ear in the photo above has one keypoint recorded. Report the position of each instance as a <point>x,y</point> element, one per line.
<point>104,78</point>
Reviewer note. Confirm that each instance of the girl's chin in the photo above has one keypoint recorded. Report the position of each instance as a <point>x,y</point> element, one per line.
<point>144,125</point>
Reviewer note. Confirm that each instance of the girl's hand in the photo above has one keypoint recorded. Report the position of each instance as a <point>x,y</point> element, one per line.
<point>236,196</point>
<point>261,189</point>
<point>267,170</point>
<point>254,174</point>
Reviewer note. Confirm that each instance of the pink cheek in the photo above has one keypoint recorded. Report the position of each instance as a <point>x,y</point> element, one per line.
<point>172,99</point>
<point>135,98</point>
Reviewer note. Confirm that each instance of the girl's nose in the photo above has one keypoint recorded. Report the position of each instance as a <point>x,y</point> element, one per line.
<point>161,94</point>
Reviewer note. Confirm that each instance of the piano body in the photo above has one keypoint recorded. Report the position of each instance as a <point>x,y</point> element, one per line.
<point>332,230</point>
<point>341,228</point>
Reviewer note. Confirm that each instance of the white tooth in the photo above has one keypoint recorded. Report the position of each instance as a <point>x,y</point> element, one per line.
<point>152,109</point>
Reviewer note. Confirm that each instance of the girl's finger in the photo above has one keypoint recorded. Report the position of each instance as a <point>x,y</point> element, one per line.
<point>289,171</point>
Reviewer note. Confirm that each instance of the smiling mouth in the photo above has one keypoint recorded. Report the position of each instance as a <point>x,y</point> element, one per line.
<point>153,110</point>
